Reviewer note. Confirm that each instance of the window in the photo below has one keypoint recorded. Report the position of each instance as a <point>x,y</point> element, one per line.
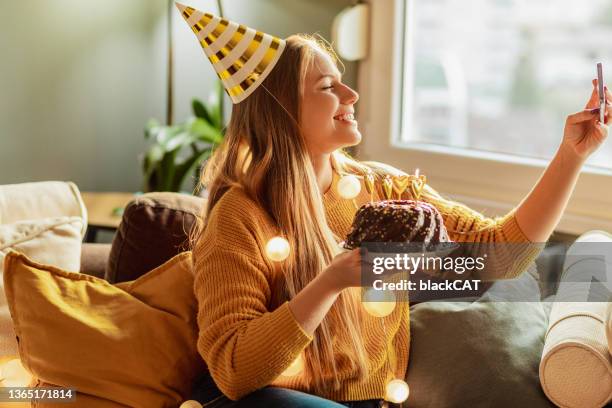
<point>457,164</point>
<point>500,76</point>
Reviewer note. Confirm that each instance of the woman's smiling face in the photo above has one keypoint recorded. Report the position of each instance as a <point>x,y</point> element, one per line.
<point>327,112</point>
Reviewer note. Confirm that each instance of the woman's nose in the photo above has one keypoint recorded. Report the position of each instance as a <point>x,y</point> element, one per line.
<point>351,96</point>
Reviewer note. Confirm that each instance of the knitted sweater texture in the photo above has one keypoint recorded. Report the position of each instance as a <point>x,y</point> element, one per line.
<point>248,339</point>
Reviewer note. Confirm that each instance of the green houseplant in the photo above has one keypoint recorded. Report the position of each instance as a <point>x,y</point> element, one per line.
<point>176,151</point>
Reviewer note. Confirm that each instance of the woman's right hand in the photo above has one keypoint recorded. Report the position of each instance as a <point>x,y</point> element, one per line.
<point>583,134</point>
<point>312,303</point>
<point>344,271</point>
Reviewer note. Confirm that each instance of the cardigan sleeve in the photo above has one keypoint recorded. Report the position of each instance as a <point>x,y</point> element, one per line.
<point>245,345</point>
<point>467,225</point>
<point>510,251</point>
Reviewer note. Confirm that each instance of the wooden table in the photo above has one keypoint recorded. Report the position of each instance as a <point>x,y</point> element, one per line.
<point>104,211</point>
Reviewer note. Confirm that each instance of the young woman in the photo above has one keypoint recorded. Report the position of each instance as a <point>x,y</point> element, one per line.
<point>276,174</point>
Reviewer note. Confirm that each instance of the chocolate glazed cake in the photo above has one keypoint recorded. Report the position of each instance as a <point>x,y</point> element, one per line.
<point>403,221</point>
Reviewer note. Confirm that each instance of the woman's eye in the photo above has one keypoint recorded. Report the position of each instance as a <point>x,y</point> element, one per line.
<point>328,87</point>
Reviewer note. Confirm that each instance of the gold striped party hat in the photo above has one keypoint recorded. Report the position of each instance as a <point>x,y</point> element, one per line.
<point>241,56</point>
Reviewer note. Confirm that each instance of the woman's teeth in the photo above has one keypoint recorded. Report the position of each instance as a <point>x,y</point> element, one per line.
<point>348,117</point>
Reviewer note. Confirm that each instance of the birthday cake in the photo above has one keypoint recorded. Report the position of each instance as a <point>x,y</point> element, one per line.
<point>399,221</point>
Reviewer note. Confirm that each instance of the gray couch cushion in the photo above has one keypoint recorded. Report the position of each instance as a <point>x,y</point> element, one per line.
<point>477,354</point>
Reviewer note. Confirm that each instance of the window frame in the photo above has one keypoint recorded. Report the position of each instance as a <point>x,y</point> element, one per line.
<point>469,176</point>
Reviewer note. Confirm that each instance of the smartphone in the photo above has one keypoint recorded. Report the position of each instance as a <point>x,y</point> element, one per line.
<point>602,95</point>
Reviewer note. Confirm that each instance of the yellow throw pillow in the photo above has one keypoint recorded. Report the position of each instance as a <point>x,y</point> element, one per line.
<point>131,344</point>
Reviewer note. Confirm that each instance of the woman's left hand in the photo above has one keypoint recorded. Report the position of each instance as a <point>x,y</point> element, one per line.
<point>583,133</point>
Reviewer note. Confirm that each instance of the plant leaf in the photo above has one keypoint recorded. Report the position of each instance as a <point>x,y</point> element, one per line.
<point>200,110</point>
<point>150,164</point>
<point>152,158</point>
<point>151,129</point>
<point>189,165</point>
<point>179,141</point>
<point>215,99</point>
<point>166,171</point>
<point>167,134</point>
<point>204,131</point>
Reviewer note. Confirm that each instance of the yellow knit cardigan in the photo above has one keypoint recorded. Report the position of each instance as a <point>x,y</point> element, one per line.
<point>247,341</point>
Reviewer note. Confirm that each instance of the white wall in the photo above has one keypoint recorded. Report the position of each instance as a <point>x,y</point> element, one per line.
<point>79,80</point>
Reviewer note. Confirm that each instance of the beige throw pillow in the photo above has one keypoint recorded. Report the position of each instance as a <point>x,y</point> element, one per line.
<point>576,368</point>
<point>54,241</point>
<point>39,200</point>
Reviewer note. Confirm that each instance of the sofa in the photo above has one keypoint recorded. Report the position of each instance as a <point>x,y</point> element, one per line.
<point>154,228</point>
<point>462,354</point>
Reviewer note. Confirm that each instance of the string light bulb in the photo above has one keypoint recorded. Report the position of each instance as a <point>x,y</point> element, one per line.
<point>397,391</point>
<point>378,303</point>
<point>295,368</point>
<point>349,186</point>
<point>277,249</point>
<point>13,374</point>
<point>191,404</point>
